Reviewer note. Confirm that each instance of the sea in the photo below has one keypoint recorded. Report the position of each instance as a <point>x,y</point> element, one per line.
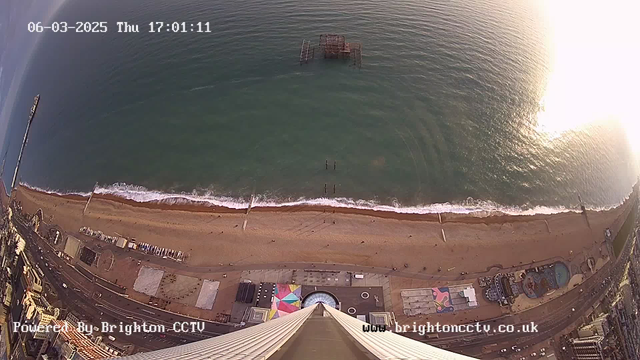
<point>451,110</point>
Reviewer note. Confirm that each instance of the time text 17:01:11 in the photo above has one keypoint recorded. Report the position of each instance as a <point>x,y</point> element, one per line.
<point>176,27</point>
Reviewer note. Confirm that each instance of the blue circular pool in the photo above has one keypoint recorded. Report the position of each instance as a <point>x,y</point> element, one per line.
<point>562,274</point>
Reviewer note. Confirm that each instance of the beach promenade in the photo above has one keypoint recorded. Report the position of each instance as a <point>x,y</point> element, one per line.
<point>405,249</point>
<point>409,243</point>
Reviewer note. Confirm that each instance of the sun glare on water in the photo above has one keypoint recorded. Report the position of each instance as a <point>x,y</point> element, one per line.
<point>594,76</point>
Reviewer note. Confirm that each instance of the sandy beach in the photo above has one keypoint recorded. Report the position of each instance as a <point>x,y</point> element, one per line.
<point>214,236</point>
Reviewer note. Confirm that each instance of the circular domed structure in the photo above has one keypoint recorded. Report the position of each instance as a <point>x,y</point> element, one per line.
<point>320,297</point>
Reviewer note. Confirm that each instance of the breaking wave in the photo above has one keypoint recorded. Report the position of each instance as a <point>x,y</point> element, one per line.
<point>55,192</point>
<point>479,208</point>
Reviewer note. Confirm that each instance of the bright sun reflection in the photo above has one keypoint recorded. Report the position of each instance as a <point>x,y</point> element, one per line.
<point>594,75</point>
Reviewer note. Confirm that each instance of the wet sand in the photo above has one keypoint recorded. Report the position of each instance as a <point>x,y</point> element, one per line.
<point>215,235</point>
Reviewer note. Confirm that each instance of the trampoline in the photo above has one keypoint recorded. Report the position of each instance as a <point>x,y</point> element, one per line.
<point>531,285</point>
<point>555,276</point>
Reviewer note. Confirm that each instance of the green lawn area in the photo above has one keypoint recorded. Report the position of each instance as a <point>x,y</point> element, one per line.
<point>627,227</point>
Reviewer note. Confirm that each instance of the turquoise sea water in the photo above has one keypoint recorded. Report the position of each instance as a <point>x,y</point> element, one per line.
<point>442,111</point>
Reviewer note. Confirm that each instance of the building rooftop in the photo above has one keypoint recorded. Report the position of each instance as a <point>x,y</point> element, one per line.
<point>39,301</point>
<point>380,318</point>
<point>258,315</point>
<point>33,280</point>
<point>587,340</point>
<point>83,345</point>
<point>93,352</point>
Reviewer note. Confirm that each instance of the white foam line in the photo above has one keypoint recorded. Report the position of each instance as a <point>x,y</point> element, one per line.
<point>55,192</point>
<point>479,208</point>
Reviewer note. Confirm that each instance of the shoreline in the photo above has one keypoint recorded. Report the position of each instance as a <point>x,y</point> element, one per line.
<point>412,242</point>
<point>179,203</point>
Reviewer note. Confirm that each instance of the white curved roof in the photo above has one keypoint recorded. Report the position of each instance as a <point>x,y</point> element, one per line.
<point>263,340</point>
<point>255,342</point>
<point>388,345</point>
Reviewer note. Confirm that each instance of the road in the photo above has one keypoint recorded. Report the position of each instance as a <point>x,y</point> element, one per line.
<point>99,303</point>
<point>551,318</point>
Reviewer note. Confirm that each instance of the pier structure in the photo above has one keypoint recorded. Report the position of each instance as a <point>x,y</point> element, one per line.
<point>306,52</point>
<point>332,46</point>
<point>32,113</point>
